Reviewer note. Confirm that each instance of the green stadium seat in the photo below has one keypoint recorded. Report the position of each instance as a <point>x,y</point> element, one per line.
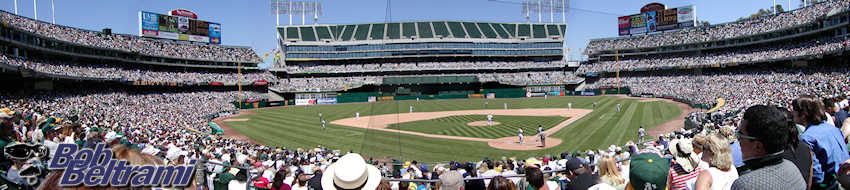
<point>501,30</point>
<point>487,30</point>
<point>377,31</point>
<point>361,32</point>
<point>563,29</point>
<point>409,29</point>
<point>472,30</point>
<point>524,30</point>
<point>553,30</point>
<point>307,34</point>
<point>393,31</point>
<point>511,29</point>
<point>348,32</point>
<point>292,33</point>
<point>539,31</point>
<point>323,32</point>
<point>457,30</point>
<point>281,32</point>
<point>440,29</point>
<point>336,30</point>
<point>425,30</point>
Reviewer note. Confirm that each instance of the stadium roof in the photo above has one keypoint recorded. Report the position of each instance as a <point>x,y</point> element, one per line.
<point>421,31</point>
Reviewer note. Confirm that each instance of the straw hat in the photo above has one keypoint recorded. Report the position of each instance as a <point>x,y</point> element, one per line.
<point>351,172</point>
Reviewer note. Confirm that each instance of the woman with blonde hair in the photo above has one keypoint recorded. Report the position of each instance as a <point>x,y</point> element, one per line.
<point>610,174</point>
<point>720,174</point>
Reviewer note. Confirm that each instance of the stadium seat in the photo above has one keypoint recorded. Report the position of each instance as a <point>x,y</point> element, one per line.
<point>393,30</point>
<point>501,30</point>
<point>539,31</point>
<point>362,32</point>
<point>307,34</point>
<point>377,32</point>
<point>348,32</point>
<point>472,30</point>
<point>292,33</point>
<point>439,28</point>
<point>323,32</point>
<point>487,30</point>
<point>409,30</point>
<point>511,29</point>
<point>552,29</point>
<point>457,30</point>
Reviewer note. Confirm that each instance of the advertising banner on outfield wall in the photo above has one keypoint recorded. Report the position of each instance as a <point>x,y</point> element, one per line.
<point>555,93</point>
<point>588,93</point>
<point>326,101</point>
<point>372,99</point>
<point>305,101</point>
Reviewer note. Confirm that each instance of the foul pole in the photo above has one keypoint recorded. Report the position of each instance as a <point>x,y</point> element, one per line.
<point>53,12</point>
<point>617,66</point>
<point>16,7</point>
<point>239,84</point>
<point>35,9</point>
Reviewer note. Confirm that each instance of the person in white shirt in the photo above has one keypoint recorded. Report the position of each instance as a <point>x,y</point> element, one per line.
<point>489,119</point>
<point>519,133</point>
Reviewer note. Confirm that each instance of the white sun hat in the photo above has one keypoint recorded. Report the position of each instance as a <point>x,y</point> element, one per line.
<point>351,172</point>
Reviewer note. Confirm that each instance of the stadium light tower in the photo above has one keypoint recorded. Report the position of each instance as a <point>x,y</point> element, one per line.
<point>16,7</point>
<point>544,6</point>
<point>35,9</point>
<point>291,7</point>
<point>52,12</point>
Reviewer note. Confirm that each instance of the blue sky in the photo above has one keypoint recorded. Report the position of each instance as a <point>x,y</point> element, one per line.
<point>250,22</point>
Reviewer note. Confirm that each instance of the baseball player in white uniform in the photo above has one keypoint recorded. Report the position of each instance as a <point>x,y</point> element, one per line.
<point>411,109</point>
<point>357,115</point>
<point>570,105</point>
<point>323,126</point>
<point>519,133</point>
<point>506,106</point>
<point>489,119</point>
<point>618,107</point>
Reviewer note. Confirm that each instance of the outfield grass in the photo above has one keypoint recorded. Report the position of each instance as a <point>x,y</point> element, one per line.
<point>457,125</point>
<point>300,127</point>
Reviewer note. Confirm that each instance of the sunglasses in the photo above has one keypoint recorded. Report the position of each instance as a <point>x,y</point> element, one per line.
<point>738,135</point>
<point>23,151</point>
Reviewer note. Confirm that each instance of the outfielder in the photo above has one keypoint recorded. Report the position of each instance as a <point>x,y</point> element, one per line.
<point>411,109</point>
<point>570,105</point>
<point>618,107</point>
<point>357,115</point>
<point>506,106</point>
<point>323,125</point>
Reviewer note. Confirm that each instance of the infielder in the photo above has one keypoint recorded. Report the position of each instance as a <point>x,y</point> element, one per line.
<point>594,105</point>
<point>489,119</point>
<point>641,133</point>
<point>323,125</point>
<point>542,139</point>
<point>519,133</point>
<point>570,105</point>
<point>411,109</point>
<point>357,115</point>
<point>618,107</point>
<point>506,106</point>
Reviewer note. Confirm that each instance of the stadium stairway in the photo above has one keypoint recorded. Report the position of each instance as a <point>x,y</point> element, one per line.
<point>274,97</point>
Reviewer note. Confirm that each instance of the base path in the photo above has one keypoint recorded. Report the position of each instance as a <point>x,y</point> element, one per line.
<point>669,126</point>
<point>381,122</point>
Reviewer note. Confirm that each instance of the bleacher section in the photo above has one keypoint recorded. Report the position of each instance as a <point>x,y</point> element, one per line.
<point>420,30</point>
<point>393,31</point>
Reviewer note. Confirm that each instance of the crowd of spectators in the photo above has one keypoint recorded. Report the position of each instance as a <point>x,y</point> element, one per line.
<point>144,46</point>
<point>374,67</point>
<point>341,83</point>
<point>781,21</point>
<point>110,71</point>
<point>791,49</point>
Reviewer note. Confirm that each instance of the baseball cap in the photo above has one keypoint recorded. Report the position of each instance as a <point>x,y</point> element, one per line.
<point>573,164</point>
<point>650,171</point>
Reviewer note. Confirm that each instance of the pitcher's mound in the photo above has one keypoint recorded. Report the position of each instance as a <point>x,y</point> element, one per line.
<point>481,123</point>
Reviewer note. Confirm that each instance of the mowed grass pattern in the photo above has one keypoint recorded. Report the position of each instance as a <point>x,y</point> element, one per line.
<point>457,125</point>
<point>299,126</point>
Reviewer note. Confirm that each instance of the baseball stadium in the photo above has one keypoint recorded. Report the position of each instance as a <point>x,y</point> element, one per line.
<point>437,98</point>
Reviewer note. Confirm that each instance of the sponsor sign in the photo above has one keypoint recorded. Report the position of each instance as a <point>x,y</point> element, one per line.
<point>652,7</point>
<point>326,101</point>
<point>623,24</point>
<point>305,101</point>
<point>638,24</point>
<point>668,20</point>
<point>372,99</point>
<point>588,93</point>
<point>685,14</point>
<point>183,13</point>
<point>182,26</point>
<point>650,20</point>
<point>261,83</point>
<point>491,95</point>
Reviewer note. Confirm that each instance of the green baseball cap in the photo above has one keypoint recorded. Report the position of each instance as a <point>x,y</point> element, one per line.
<point>648,171</point>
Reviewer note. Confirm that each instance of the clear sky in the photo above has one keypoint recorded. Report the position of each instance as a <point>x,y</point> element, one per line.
<point>251,23</point>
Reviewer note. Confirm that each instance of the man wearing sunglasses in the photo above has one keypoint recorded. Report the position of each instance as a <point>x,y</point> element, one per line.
<point>763,135</point>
